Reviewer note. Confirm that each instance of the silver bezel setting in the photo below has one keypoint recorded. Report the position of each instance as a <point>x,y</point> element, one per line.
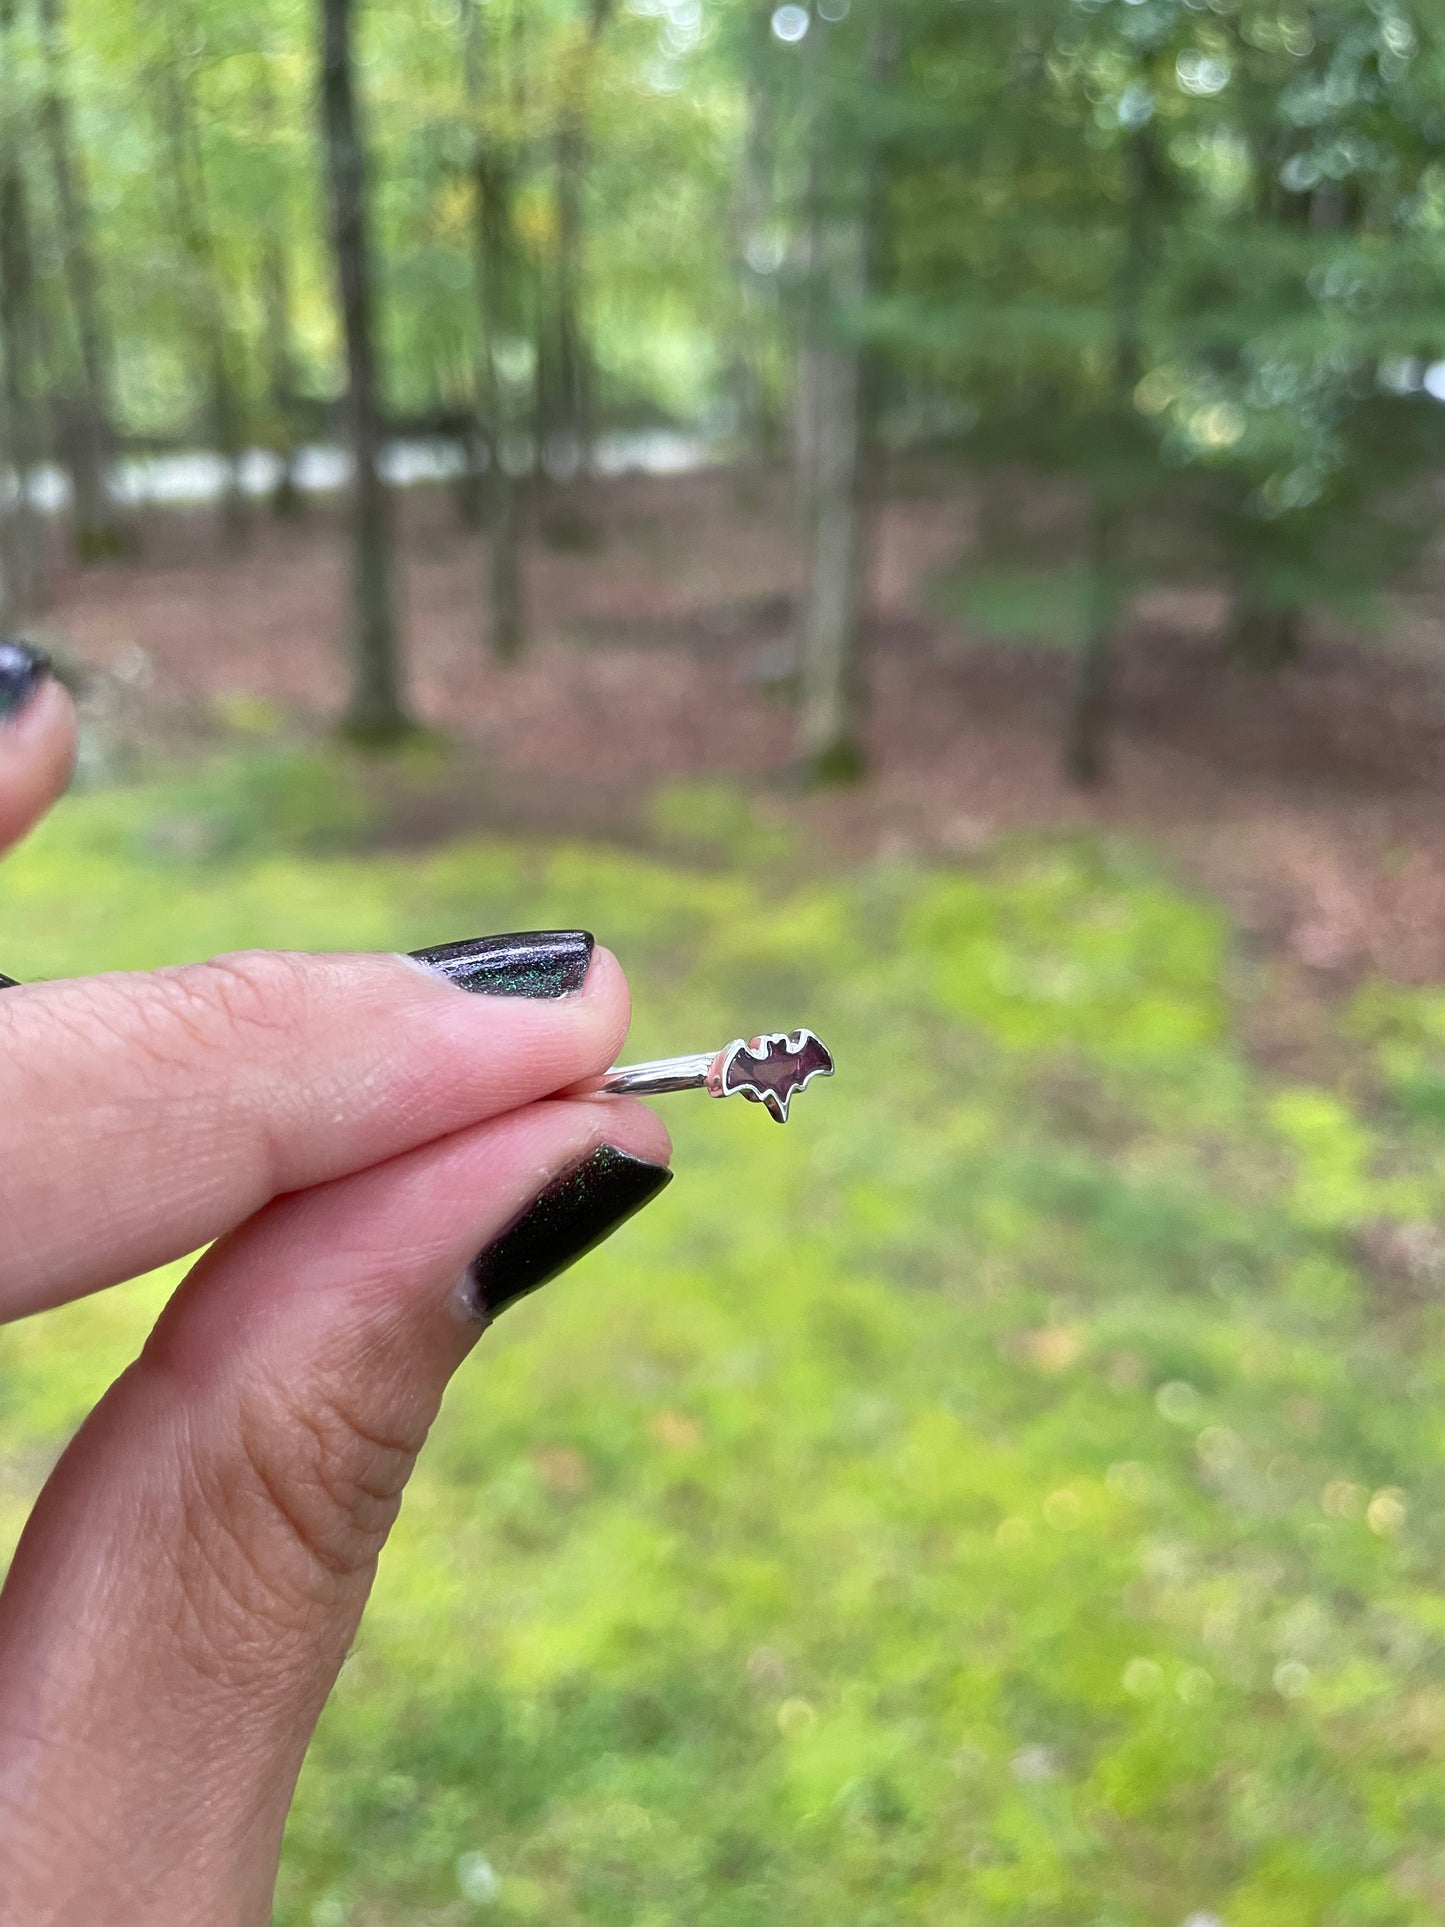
<point>712,1072</point>
<point>794,1043</point>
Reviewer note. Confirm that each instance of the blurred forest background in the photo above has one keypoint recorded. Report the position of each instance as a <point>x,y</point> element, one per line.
<point>919,517</point>
<point>1161,279</point>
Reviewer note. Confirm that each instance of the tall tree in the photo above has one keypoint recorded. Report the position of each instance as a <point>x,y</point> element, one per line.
<point>573,424</point>
<point>286,497</point>
<point>836,381</point>
<point>100,528</point>
<point>1114,484</point>
<point>495,265</point>
<point>754,215</point>
<point>1317,303</point>
<point>376,713</point>
<point>23,561</point>
<point>276,307</point>
<point>212,335</point>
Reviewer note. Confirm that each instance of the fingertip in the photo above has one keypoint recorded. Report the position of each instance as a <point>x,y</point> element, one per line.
<point>515,981</point>
<point>38,741</point>
<point>540,967</point>
<point>629,1125</point>
<point>608,992</point>
<point>45,719</point>
<point>605,976</point>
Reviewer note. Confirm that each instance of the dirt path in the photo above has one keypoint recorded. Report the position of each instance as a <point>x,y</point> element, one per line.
<point>1311,802</point>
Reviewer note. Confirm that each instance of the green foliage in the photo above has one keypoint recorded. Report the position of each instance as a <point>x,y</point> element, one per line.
<point>712,818</point>
<point>245,80</point>
<point>1408,1031</point>
<point>1067,950</point>
<point>1188,256</point>
<point>1012,1496</point>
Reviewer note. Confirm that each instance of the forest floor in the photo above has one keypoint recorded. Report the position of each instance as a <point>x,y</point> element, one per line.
<point>1308,802</point>
<point>1014,1494</point>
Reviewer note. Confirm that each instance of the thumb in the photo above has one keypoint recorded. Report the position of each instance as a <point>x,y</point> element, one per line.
<point>194,1571</point>
<point>37,739</point>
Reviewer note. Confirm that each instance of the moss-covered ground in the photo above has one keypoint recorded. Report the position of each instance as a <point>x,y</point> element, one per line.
<point>1014,1495</point>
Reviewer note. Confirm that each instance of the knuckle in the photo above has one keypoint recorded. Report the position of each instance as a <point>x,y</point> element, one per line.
<point>229,1622</point>
<point>353,1474</point>
<point>253,997</point>
<point>235,1013</point>
<point>287,1525</point>
<point>164,1020</point>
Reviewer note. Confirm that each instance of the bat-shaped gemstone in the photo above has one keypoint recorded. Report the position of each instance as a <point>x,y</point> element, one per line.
<point>772,1070</point>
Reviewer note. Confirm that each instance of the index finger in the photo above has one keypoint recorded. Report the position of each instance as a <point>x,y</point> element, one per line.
<point>37,738</point>
<point>143,1116</point>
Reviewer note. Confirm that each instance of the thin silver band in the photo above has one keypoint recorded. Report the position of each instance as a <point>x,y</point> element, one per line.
<point>657,1079</point>
<point>769,1070</point>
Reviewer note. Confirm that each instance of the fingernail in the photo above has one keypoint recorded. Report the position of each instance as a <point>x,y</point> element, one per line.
<point>23,668</point>
<point>573,1215</point>
<point>537,963</point>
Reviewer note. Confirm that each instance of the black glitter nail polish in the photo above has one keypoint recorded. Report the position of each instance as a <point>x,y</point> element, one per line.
<point>23,668</point>
<point>536,963</point>
<point>572,1216</point>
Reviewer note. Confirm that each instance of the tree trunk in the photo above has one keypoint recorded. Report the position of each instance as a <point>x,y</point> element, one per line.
<point>1086,743</point>
<point>100,528</point>
<point>376,713</point>
<point>1261,635</point>
<point>752,210</point>
<point>1087,750</point>
<point>24,558</point>
<point>287,500</point>
<point>509,621</point>
<point>570,456</point>
<point>830,724</point>
<point>835,388</point>
<point>469,489</point>
<point>495,266</point>
<point>212,334</point>
<point>26,569</point>
<point>10,551</point>
<point>275,274</point>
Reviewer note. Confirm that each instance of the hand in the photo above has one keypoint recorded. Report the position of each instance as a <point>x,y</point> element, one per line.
<point>347,1134</point>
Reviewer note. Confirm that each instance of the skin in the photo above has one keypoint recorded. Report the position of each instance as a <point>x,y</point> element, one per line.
<point>345,1133</point>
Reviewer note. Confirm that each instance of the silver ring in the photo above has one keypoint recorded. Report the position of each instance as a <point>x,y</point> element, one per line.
<point>768,1070</point>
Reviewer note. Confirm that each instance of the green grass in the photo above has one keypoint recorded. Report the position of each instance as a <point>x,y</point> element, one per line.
<point>1009,1497</point>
